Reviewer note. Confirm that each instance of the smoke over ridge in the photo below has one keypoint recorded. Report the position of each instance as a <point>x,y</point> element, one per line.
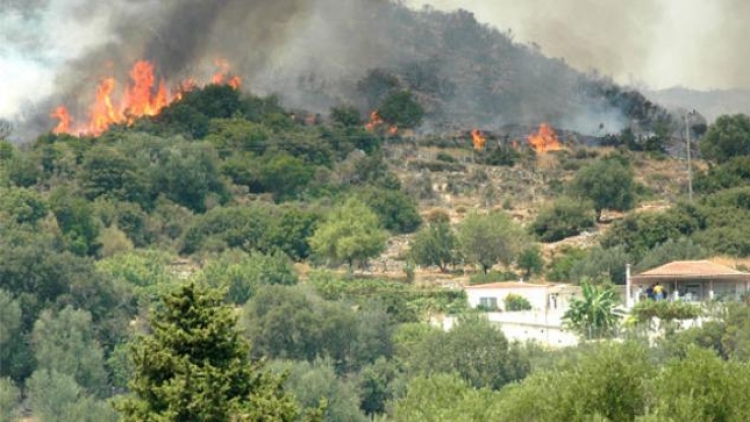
<point>312,52</point>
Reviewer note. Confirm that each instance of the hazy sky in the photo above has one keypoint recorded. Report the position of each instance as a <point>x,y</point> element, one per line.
<point>662,43</point>
<point>699,44</point>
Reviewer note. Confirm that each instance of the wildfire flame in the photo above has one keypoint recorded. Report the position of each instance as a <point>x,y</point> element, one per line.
<point>478,139</point>
<point>376,122</point>
<point>545,139</point>
<point>143,97</point>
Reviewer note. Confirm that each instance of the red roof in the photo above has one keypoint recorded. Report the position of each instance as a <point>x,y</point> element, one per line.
<point>507,285</point>
<point>691,270</point>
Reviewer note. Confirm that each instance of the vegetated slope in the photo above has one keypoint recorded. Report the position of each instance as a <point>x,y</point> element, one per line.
<point>467,73</point>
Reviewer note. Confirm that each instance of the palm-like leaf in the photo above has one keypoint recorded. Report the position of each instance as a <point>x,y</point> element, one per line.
<point>591,315</point>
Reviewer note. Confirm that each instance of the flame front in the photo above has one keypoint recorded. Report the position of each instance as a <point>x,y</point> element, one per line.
<point>478,139</point>
<point>545,139</point>
<point>61,113</point>
<point>374,122</point>
<point>144,97</point>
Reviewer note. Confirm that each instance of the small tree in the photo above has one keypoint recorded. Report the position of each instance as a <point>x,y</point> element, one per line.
<point>515,302</point>
<point>488,239</point>
<point>591,316</point>
<point>531,261</point>
<point>566,217</point>
<point>401,109</point>
<point>194,367</point>
<point>349,233</point>
<point>608,183</point>
<point>727,138</point>
<point>435,245</point>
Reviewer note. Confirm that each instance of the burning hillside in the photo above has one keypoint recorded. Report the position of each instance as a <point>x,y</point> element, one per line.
<point>143,97</point>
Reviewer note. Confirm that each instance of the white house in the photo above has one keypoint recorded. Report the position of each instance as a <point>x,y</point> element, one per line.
<point>540,296</point>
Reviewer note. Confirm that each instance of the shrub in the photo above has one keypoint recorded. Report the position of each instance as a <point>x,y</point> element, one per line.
<point>563,219</point>
<point>514,302</point>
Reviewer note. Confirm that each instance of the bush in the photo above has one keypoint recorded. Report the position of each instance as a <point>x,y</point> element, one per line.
<point>565,218</point>
<point>515,302</point>
<point>493,277</point>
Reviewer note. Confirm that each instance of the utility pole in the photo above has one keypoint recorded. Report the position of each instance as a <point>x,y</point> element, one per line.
<point>689,147</point>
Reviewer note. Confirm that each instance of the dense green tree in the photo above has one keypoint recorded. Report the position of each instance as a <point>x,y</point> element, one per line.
<point>514,302</point>
<point>608,183</point>
<point>563,261</point>
<point>376,85</point>
<point>398,212</point>
<point>377,383</point>
<point>488,239</point>
<point>445,397</point>
<point>193,367</point>
<point>65,343</point>
<point>727,138</point>
<point>530,260</point>
<point>682,249</point>
<point>313,382</point>
<point>106,171</point>
<point>591,316</point>
<point>350,232</point>
<point>564,218</point>
<point>75,217</point>
<point>401,109</point>
<point>602,264</point>
<point>475,350</point>
<point>228,136</point>
<point>285,176</point>
<point>57,397</point>
<point>436,245</point>
<point>188,174</point>
<point>9,396</point>
<point>346,116</point>
<point>241,274</point>
<point>22,205</point>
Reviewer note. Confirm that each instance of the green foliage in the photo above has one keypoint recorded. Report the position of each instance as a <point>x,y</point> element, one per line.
<point>727,138</point>
<point>189,174</point>
<point>57,397</point>
<point>284,322</point>
<point>602,264</point>
<point>591,316</point>
<point>193,367</point>
<point>605,383</point>
<point>493,277</point>
<point>564,218</point>
<point>644,311</point>
<point>9,396</point>
<point>349,232</point>
<point>435,244</point>
<point>608,183</point>
<point>285,176</point>
<point>397,211</point>
<point>515,302</point>
<point>65,344</point>
<point>401,109</point>
<point>106,171</point>
<point>473,349</point>
<point>377,384</point>
<point>376,85</point>
<point>732,173</point>
<point>488,239</point>
<point>563,262</point>
<point>682,249</point>
<point>241,274</point>
<point>530,260</point>
<point>314,382</point>
<point>347,116</point>
<point>445,397</point>
<point>22,205</point>
<point>75,217</point>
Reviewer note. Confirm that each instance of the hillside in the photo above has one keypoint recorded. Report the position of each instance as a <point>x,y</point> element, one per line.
<point>711,104</point>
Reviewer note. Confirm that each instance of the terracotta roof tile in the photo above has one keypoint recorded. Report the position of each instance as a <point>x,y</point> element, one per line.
<point>691,269</point>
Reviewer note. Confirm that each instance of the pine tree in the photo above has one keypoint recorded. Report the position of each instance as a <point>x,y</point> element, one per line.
<point>194,367</point>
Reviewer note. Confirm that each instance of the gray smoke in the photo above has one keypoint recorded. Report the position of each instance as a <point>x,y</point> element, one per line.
<point>693,43</point>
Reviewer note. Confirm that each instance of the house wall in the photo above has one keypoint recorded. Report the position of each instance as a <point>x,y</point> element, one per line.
<point>537,296</point>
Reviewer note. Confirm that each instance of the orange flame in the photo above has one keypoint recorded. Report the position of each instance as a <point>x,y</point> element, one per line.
<point>61,113</point>
<point>374,122</point>
<point>144,97</point>
<point>545,139</point>
<point>393,130</point>
<point>478,139</point>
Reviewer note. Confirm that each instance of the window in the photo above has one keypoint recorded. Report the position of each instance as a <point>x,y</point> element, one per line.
<point>489,303</point>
